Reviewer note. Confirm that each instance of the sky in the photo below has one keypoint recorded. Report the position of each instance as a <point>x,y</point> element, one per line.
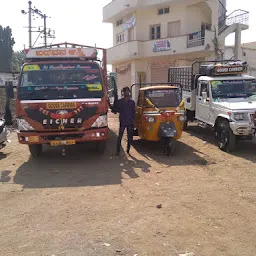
<point>80,21</point>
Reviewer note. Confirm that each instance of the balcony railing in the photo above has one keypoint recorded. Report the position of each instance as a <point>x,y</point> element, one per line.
<point>236,17</point>
<point>195,39</point>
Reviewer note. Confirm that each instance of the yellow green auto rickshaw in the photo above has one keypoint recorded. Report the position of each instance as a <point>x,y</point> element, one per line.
<point>160,114</point>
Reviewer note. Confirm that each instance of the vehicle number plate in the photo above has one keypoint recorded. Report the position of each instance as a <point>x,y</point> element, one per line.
<point>62,142</point>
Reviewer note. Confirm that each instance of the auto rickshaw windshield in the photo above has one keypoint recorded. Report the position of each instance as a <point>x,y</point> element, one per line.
<point>163,98</point>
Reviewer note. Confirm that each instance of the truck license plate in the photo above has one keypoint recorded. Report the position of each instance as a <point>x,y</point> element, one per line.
<point>61,105</point>
<point>62,142</point>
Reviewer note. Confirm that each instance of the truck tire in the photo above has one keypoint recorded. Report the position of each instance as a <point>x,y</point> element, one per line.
<point>35,150</point>
<point>101,147</point>
<point>225,137</point>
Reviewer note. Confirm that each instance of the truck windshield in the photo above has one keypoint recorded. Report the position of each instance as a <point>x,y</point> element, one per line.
<point>233,88</point>
<point>163,98</point>
<point>60,81</point>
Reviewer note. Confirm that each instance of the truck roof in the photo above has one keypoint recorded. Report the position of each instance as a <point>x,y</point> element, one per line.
<point>214,78</point>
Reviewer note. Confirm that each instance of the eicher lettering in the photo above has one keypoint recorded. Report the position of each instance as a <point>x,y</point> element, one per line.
<point>62,121</point>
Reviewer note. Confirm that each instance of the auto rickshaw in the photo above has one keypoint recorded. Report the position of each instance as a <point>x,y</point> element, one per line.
<point>160,114</point>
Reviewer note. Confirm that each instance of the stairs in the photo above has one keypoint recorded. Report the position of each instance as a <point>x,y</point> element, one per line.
<point>227,24</point>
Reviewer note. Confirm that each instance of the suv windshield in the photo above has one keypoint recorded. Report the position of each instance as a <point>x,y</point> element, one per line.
<point>60,81</point>
<point>233,88</point>
<point>164,97</point>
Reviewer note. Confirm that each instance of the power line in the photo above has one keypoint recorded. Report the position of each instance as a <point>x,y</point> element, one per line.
<point>35,11</point>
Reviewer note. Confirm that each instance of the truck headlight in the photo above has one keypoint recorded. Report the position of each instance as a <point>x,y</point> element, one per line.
<point>23,125</point>
<point>101,121</point>
<point>240,116</point>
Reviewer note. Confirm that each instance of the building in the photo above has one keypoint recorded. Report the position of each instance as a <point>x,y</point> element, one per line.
<point>151,35</point>
<point>8,76</point>
<point>248,54</point>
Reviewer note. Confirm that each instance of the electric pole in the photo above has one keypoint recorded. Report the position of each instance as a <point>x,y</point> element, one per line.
<point>40,14</point>
<point>45,35</point>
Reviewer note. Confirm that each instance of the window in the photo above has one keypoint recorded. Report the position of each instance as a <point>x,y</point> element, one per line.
<point>131,34</point>
<point>155,32</point>
<point>204,88</point>
<point>119,22</point>
<point>163,11</point>
<point>120,38</point>
<point>174,28</point>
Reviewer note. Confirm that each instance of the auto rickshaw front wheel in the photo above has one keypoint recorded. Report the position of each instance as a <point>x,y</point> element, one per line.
<point>170,147</point>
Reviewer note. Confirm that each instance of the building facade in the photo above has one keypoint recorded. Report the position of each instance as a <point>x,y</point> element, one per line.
<point>149,36</point>
<point>248,54</point>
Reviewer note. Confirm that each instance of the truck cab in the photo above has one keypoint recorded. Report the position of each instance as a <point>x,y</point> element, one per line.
<point>62,97</point>
<point>222,96</point>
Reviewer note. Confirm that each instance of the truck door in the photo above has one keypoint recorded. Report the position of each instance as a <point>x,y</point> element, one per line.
<point>203,104</point>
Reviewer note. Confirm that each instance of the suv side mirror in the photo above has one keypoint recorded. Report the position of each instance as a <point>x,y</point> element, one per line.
<point>204,94</point>
<point>9,90</point>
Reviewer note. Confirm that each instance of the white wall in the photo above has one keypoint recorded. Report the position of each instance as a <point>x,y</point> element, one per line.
<point>8,77</point>
<point>250,57</point>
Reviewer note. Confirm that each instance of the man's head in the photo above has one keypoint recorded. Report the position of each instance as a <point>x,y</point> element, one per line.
<point>126,92</point>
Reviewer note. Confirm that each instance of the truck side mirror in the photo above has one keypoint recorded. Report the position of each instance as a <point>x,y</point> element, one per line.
<point>204,94</point>
<point>9,90</point>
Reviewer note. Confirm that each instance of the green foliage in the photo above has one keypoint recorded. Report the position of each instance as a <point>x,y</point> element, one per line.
<point>6,48</point>
<point>18,58</point>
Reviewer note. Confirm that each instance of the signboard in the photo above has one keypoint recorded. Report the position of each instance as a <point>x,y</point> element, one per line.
<point>89,53</point>
<point>163,45</point>
<point>221,70</point>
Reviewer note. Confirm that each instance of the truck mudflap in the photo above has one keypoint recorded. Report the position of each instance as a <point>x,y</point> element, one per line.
<point>64,137</point>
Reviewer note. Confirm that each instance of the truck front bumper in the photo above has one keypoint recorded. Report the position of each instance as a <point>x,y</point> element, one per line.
<point>35,137</point>
<point>242,129</point>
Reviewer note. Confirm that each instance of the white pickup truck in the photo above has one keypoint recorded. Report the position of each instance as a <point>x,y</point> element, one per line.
<point>220,95</point>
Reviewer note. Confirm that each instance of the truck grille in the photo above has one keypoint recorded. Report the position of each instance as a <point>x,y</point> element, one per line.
<point>63,137</point>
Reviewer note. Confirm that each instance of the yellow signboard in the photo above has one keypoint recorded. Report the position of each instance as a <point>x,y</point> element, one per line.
<point>31,68</point>
<point>61,105</point>
<point>94,87</point>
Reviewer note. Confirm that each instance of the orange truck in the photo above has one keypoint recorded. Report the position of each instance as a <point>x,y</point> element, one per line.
<point>62,97</point>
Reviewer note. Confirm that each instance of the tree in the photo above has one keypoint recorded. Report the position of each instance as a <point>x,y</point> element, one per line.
<point>6,48</point>
<point>18,58</point>
<point>217,47</point>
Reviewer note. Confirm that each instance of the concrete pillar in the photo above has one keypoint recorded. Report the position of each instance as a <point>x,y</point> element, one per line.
<point>238,48</point>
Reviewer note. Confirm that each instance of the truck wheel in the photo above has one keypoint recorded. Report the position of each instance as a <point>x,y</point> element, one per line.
<point>101,147</point>
<point>225,137</point>
<point>170,147</point>
<point>35,150</point>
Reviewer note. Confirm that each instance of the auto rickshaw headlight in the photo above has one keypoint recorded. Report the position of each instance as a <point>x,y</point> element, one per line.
<point>181,118</point>
<point>151,119</point>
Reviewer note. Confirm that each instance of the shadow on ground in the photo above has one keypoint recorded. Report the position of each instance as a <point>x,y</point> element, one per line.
<point>184,155</point>
<point>81,166</point>
<point>244,149</point>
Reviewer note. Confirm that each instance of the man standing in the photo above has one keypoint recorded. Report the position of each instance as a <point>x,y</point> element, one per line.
<point>126,109</point>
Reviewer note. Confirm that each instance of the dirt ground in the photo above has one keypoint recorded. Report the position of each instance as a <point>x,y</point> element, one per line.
<point>83,204</point>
